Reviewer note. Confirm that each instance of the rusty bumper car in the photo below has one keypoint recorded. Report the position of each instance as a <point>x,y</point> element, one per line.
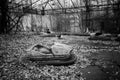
<point>57,54</point>
<point>102,37</point>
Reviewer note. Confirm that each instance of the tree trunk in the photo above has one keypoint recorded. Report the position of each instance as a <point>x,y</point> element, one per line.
<point>4,11</point>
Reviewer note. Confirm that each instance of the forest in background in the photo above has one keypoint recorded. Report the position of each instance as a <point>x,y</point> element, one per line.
<point>84,16</point>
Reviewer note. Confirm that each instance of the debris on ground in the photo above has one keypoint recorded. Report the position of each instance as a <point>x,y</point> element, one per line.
<point>95,58</point>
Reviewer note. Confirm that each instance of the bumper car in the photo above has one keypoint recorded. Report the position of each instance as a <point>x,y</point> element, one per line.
<point>57,54</point>
<point>102,37</point>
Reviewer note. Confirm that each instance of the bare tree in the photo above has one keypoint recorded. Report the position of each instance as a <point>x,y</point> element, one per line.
<point>4,12</point>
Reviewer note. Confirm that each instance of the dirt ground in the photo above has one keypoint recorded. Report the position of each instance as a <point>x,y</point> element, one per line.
<point>96,60</point>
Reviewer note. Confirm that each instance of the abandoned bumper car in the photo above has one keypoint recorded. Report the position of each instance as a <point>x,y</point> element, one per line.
<point>57,54</point>
<point>102,36</point>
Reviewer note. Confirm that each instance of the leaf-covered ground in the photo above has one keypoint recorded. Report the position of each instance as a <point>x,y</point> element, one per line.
<point>97,60</point>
